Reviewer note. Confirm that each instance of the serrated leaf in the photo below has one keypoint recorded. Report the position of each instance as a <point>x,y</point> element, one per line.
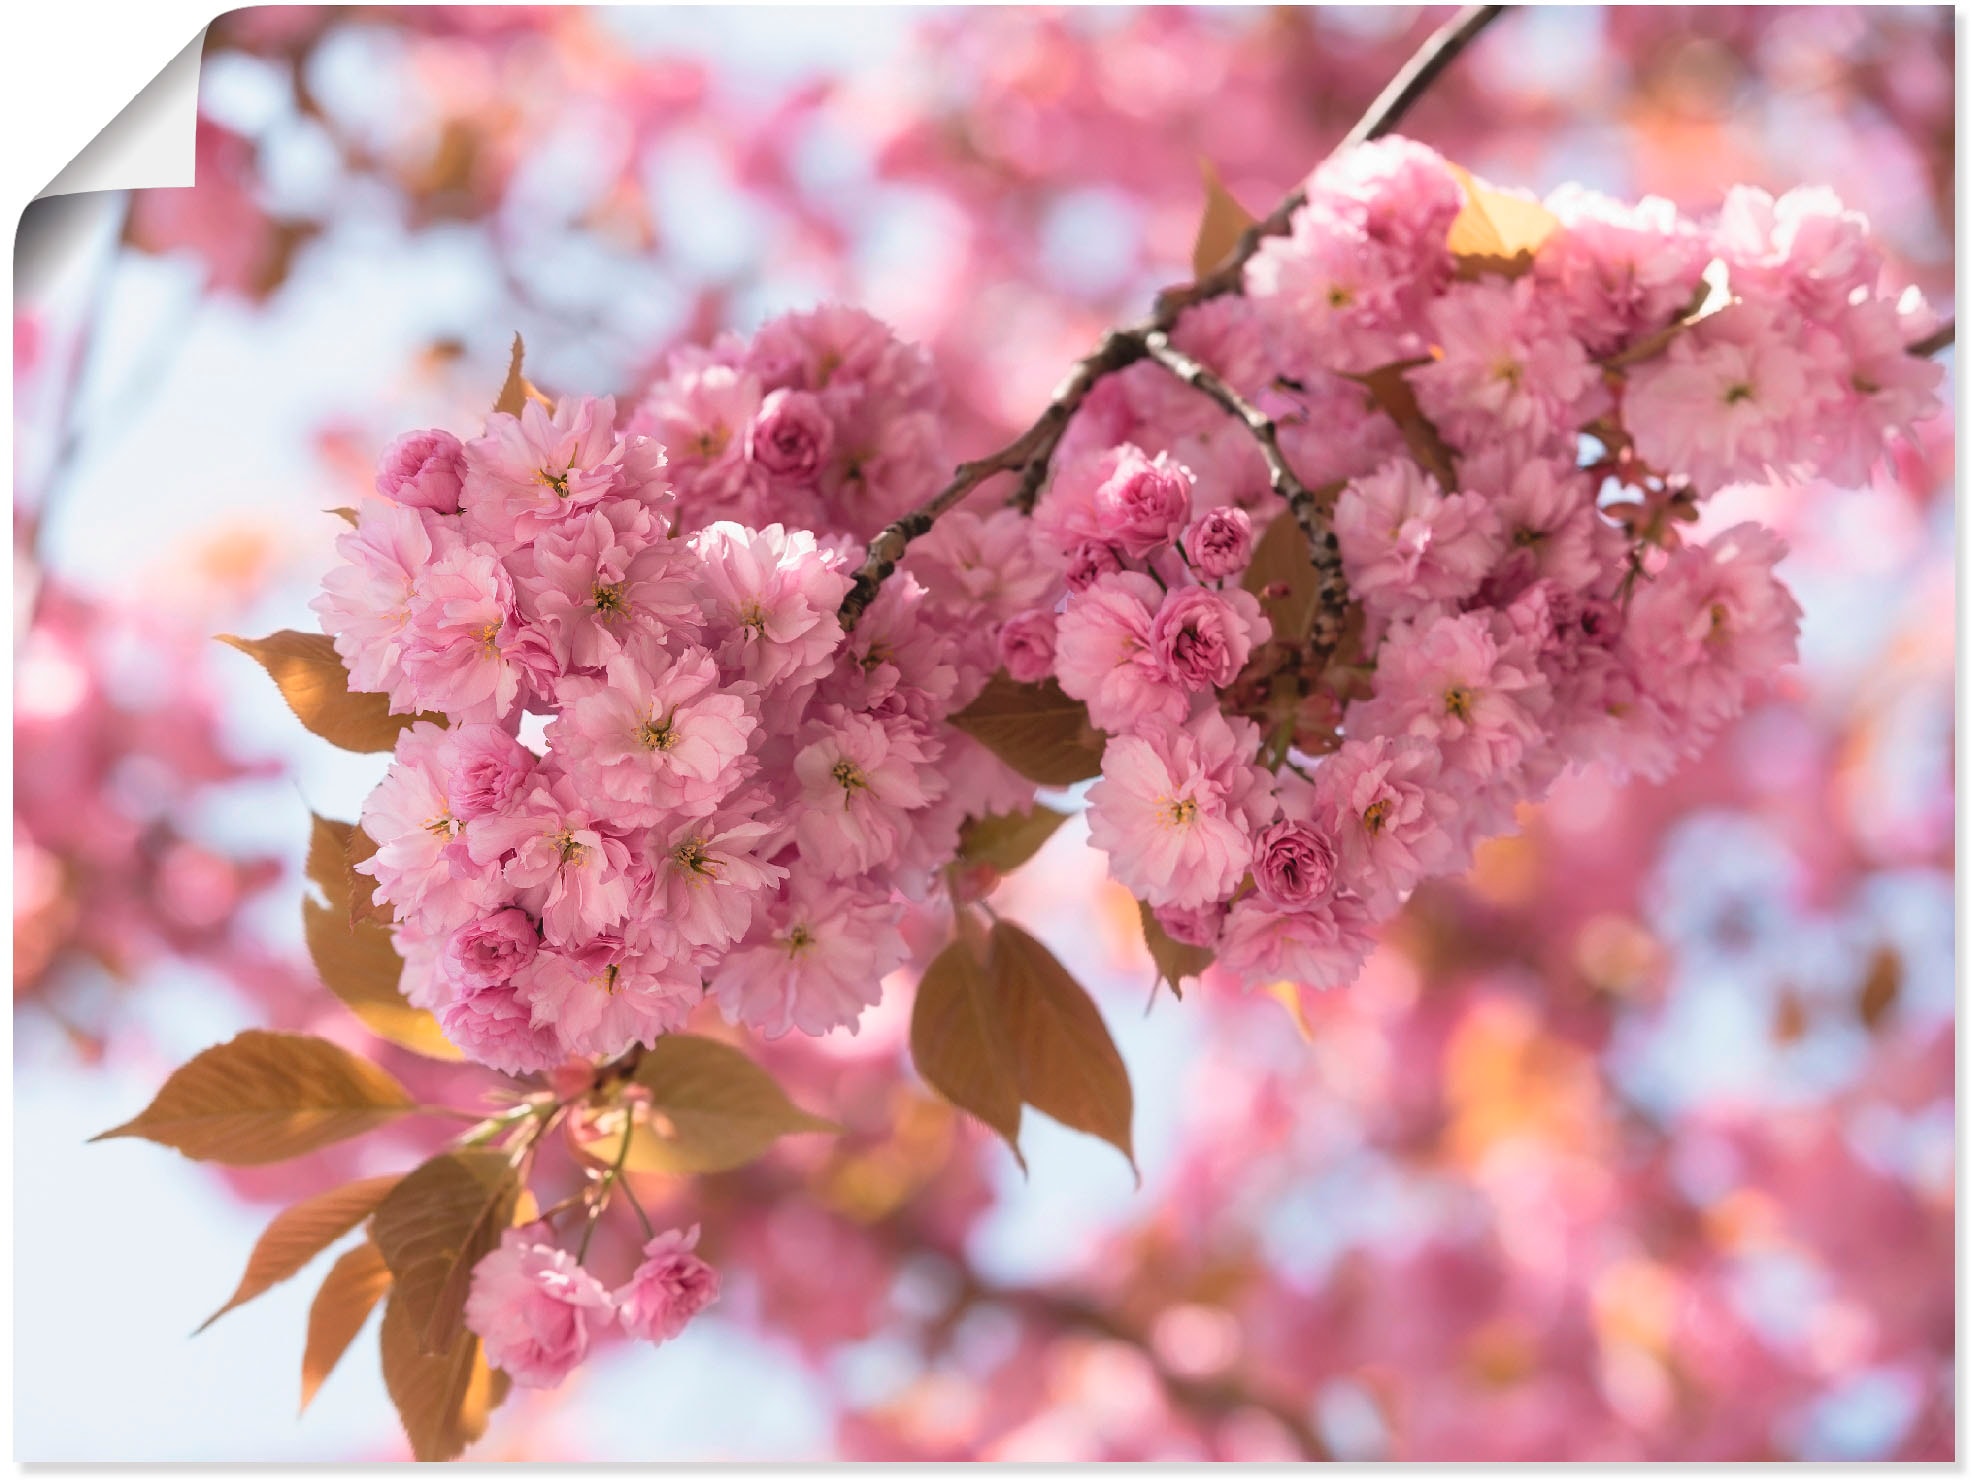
<point>360,965</point>
<point>1289,995</point>
<point>360,847</point>
<point>1035,728</point>
<point>266,1097</point>
<point>712,1109</point>
<point>355,1283</point>
<point>1176,961</point>
<point>1281,560</point>
<point>1067,1063</point>
<point>443,1399</point>
<point>1006,840</point>
<point>1220,224</point>
<point>960,1043</point>
<point>301,1232</point>
<point>310,676</point>
<point>437,1223</point>
<point>1392,394</point>
<point>1497,231</point>
<point>514,389</point>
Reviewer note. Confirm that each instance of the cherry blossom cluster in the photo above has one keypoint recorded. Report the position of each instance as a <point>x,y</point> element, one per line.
<point>538,1310</point>
<point>729,795</point>
<point>1515,545</point>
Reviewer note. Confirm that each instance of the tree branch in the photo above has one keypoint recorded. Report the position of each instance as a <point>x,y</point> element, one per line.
<point>1932,343</point>
<point>1029,453</point>
<point>1206,1397</point>
<point>1332,590</point>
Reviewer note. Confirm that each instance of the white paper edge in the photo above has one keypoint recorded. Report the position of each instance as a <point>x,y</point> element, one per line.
<point>151,144</point>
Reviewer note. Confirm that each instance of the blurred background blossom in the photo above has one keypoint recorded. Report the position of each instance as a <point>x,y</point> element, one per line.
<point>1636,1144</point>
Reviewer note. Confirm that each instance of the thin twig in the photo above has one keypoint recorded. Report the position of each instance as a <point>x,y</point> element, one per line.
<point>1029,454</point>
<point>1332,590</point>
<point>1213,1397</point>
<point>1932,343</point>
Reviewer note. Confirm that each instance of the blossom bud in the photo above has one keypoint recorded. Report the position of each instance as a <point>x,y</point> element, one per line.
<point>1293,864</point>
<point>1027,646</point>
<point>423,470</point>
<point>1219,543</point>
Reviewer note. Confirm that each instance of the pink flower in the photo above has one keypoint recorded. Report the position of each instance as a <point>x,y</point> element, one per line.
<point>366,601</point>
<point>709,877</point>
<point>599,998</point>
<point>643,743</point>
<point>701,413</point>
<point>1711,622</point>
<point>461,646</point>
<point>1449,680</point>
<point>1192,927</point>
<point>770,600</point>
<point>529,473</point>
<point>995,562</point>
<point>1176,808</point>
<point>1880,390</point>
<point>1550,529</point>
<point>604,582</point>
<point>1622,271</point>
<point>1405,544</point>
<point>1026,646</point>
<point>1294,864</point>
<point>1507,365</point>
<point>423,470</point>
<point>1089,562</point>
<point>815,962</point>
<point>1319,945</point>
<point>1200,639</point>
<point>535,1308</point>
<point>791,436</point>
<point>1104,656</point>
<point>1386,806</point>
<point>418,865</point>
<point>568,872</point>
<point>1121,497</point>
<point>486,769</point>
<point>492,1025</point>
<point>1219,543</point>
<point>671,1286</point>
<point>1727,400</point>
<point>860,779</point>
<point>488,951</point>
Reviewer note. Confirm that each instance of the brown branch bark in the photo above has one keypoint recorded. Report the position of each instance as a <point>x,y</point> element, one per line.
<point>1213,1397</point>
<point>1332,590</point>
<point>1029,454</point>
<point>1932,343</point>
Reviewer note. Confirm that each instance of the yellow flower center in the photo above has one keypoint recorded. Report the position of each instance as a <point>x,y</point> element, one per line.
<point>1374,815</point>
<point>657,734</point>
<point>1459,702</point>
<point>608,600</point>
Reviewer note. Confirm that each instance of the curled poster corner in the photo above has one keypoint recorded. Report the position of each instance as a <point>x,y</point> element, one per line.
<point>151,143</point>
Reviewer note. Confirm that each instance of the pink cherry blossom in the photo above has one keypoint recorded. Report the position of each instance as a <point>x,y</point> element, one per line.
<point>568,871</point>
<point>671,1286</point>
<point>1104,654</point>
<point>645,742</point>
<point>535,1309</point>
<point>814,963</point>
<point>1220,542</point>
<point>1176,808</point>
<point>423,470</point>
<point>1406,544</point>
<point>1387,806</point>
<point>1200,639</point>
